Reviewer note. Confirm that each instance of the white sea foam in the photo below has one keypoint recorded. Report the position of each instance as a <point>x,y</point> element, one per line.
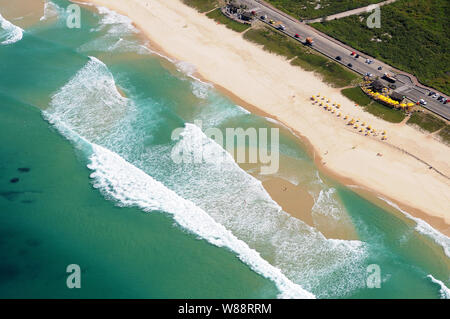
<point>240,203</point>
<point>130,186</point>
<point>9,33</point>
<point>233,199</point>
<point>425,229</point>
<point>117,24</point>
<point>90,93</point>
<point>51,10</point>
<point>445,291</point>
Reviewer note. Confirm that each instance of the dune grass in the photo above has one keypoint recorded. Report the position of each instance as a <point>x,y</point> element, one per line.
<point>357,95</point>
<point>276,42</point>
<point>218,16</point>
<point>202,5</point>
<point>444,134</point>
<point>426,121</point>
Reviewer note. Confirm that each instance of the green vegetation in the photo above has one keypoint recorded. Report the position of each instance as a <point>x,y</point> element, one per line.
<point>231,24</point>
<point>444,134</point>
<point>310,9</point>
<point>274,42</point>
<point>357,95</point>
<point>426,121</point>
<point>306,58</point>
<point>386,113</point>
<point>202,5</point>
<point>413,37</point>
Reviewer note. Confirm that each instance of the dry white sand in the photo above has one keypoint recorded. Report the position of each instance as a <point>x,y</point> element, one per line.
<point>270,83</point>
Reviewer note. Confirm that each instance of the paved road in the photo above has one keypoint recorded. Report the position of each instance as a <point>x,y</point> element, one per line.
<point>333,48</point>
<point>349,12</point>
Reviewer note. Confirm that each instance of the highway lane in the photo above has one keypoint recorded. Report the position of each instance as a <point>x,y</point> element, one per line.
<point>333,48</point>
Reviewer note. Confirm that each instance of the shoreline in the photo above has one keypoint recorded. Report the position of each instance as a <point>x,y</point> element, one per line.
<point>438,221</point>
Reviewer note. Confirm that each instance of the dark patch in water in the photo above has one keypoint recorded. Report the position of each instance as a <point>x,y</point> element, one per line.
<point>23,169</point>
<point>10,195</point>
<point>23,252</point>
<point>33,242</point>
<point>8,272</point>
<point>27,201</point>
<point>14,180</point>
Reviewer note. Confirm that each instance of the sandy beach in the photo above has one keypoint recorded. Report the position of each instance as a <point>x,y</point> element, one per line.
<point>29,11</point>
<point>270,84</point>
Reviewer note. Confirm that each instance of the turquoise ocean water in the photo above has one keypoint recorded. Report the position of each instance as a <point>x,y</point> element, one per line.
<point>87,178</point>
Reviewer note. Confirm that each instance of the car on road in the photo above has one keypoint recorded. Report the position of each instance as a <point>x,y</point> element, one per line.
<point>263,17</point>
<point>431,93</point>
<point>422,102</point>
<point>356,56</point>
<point>297,36</point>
<point>380,68</point>
<point>440,98</point>
<point>369,74</point>
<point>281,27</point>
<point>350,65</point>
<point>338,58</point>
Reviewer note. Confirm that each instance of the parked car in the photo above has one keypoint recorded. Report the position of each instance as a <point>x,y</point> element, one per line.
<point>263,17</point>
<point>357,56</point>
<point>350,65</point>
<point>431,93</point>
<point>446,101</point>
<point>440,98</point>
<point>380,68</point>
<point>368,74</point>
<point>338,58</point>
<point>422,102</point>
<point>281,27</point>
<point>297,36</point>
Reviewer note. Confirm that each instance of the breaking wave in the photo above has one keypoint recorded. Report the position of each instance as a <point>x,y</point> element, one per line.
<point>9,33</point>
<point>425,229</point>
<point>116,23</point>
<point>444,291</point>
<point>51,10</point>
<point>125,183</point>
